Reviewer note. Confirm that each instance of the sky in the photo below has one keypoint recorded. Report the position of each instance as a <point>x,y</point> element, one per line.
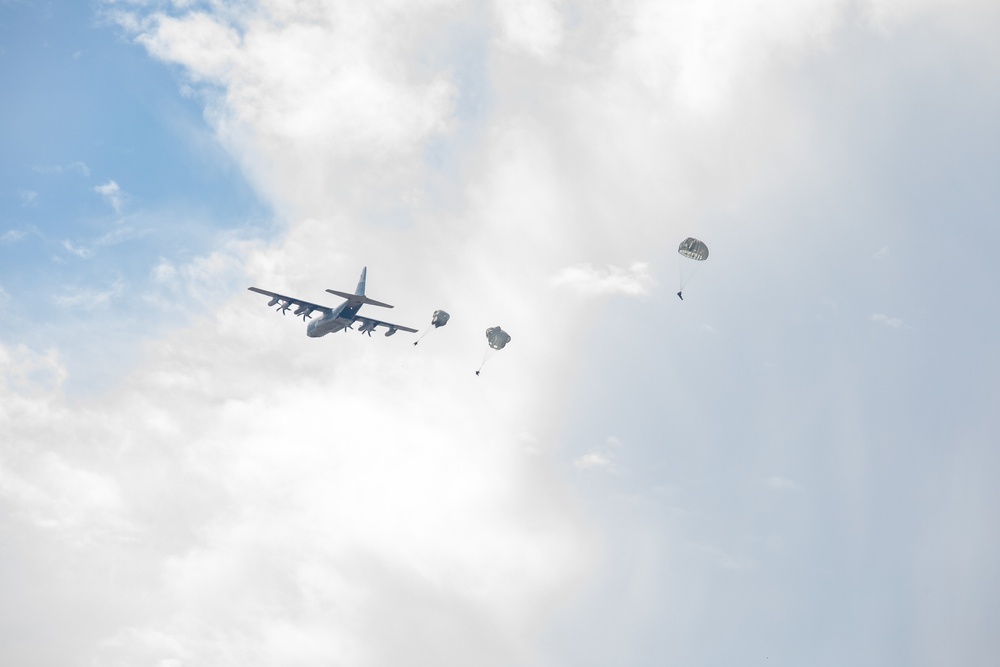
<point>793,465</point>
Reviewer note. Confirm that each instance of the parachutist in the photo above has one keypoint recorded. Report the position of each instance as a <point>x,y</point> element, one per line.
<point>497,338</point>
<point>693,249</point>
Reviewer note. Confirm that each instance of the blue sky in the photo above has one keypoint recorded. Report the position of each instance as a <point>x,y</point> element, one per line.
<point>791,466</point>
<point>107,168</point>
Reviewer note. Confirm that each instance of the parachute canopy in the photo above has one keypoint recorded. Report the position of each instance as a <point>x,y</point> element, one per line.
<point>693,249</point>
<point>439,318</point>
<point>497,337</point>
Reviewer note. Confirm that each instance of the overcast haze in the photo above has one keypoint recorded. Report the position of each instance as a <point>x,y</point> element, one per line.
<point>793,465</point>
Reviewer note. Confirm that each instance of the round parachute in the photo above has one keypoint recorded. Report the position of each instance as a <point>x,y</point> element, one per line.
<point>439,318</point>
<point>497,337</point>
<point>692,248</point>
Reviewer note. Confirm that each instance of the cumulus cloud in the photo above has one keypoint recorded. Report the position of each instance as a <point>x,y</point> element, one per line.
<point>592,460</point>
<point>315,508</point>
<point>362,501</point>
<point>325,84</point>
<point>532,26</point>
<point>58,497</point>
<point>590,281</point>
<point>112,194</point>
<point>887,321</point>
<point>22,369</point>
<point>602,458</point>
<point>203,280</point>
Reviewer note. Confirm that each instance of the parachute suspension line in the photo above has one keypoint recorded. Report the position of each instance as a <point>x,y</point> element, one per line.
<point>438,320</point>
<point>685,279</point>
<point>694,250</point>
<point>486,357</point>
<point>497,338</point>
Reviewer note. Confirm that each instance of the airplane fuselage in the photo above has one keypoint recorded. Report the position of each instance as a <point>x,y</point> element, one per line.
<point>341,317</point>
<point>334,319</point>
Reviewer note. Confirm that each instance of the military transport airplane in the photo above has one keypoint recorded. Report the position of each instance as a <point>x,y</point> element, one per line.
<point>335,319</point>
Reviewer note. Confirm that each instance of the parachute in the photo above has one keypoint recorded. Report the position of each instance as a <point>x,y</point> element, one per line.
<point>694,249</point>
<point>438,320</point>
<point>497,339</point>
<point>690,248</point>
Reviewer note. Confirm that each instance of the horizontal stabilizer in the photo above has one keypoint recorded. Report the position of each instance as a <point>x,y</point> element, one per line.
<point>358,299</point>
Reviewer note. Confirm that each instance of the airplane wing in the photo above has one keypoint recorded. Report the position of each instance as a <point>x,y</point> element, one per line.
<point>303,308</point>
<point>368,326</point>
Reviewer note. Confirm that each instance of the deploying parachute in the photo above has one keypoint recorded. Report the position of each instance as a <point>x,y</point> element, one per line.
<point>438,320</point>
<point>497,338</point>
<point>691,248</point>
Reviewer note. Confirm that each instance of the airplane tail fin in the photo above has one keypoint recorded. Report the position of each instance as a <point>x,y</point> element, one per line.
<point>361,282</point>
<point>359,294</point>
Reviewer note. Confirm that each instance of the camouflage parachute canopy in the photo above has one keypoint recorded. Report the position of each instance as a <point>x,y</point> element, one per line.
<point>694,249</point>
<point>439,318</point>
<point>497,337</point>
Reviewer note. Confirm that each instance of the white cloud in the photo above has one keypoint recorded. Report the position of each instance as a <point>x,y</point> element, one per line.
<point>886,321</point>
<point>887,15</point>
<point>533,26</point>
<point>599,459</point>
<point>347,90</point>
<point>592,460</point>
<point>362,501</point>
<point>27,197</point>
<point>79,251</point>
<point>112,194</point>
<point>54,495</point>
<point>164,273</point>
<point>781,484</point>
<point>700,53</point>
<point>203,281</point>
<point>313,508</point>
<point>21,369</point>
<point>78,167</point>
<point>114,237</point>
<point>11,236</point>
<point>89,299</point>
<point>590,281</point>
